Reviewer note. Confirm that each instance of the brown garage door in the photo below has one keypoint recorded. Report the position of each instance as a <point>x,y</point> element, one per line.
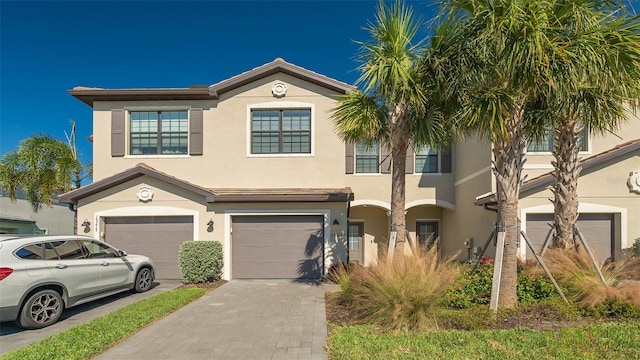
<point>277,247</point>
<point>158,237</point>
<point>596,228</point>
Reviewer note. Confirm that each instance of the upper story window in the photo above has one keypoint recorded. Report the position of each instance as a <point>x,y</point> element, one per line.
<point>426,160</point>
<point>159,132</point>
<point>281,131</point>
<point>545,144</point>
<point>367,157</point>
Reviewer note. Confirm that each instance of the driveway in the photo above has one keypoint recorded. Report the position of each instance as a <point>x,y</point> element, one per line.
<point>13,337</point>
<point>242,319</point>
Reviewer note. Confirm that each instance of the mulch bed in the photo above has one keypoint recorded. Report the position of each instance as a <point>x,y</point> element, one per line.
<point>532,318</point>
<point>207,285</point>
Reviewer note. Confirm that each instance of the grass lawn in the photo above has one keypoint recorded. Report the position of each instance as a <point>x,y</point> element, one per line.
<point>603,341</point>
<point>89,339</point>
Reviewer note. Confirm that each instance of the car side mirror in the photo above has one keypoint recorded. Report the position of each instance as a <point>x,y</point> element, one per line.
<point>122,253</point>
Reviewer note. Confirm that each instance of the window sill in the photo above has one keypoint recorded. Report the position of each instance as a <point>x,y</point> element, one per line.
<point>280,155</point>
<point>157,156</point>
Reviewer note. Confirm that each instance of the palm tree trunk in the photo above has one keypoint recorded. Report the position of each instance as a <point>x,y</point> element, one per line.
<point>398,218</point>
<point>566,174</point>
<point>399,140</point>
<point>508,169</point>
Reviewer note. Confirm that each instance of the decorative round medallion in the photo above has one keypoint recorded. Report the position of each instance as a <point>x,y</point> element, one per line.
<point>634,181</point>
<point>145,194</point>
<point>279,89</point>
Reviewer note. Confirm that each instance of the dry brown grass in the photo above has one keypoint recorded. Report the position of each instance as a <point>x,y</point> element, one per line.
<point>575,270</point>
<point>400,295</point>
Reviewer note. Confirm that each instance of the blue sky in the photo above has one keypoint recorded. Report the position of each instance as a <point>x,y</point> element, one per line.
<point>48,47</point>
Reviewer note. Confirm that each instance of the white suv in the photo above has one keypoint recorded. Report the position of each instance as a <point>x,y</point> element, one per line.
<point>40,276</point>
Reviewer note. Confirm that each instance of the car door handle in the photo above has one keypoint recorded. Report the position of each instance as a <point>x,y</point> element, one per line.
<point>61,266</point>
<point>104,263</point>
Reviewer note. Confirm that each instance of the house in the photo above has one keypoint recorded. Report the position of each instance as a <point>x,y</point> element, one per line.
<point>18,217</point>
<point>254,162</point>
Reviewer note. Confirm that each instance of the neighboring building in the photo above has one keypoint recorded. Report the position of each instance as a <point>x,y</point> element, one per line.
<point>254,162</point>
<point>19,218</point>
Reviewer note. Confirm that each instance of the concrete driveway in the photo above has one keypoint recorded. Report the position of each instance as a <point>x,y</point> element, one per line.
<point>242,319</point>
<point>13,337</point>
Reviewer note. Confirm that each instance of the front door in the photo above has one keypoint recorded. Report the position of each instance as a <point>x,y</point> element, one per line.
<point>356,236</point>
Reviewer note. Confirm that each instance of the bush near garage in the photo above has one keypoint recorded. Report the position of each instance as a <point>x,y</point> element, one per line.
<point>200,261</point>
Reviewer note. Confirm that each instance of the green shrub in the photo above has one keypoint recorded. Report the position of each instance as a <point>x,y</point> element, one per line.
<point>470,289</point>
<point>634,250</point>
<point>200,261</point>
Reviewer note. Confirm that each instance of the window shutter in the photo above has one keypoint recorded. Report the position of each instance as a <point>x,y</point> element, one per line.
<point>349,148</point>
<point>409,160</point>
<point>195,132</point>
<point>117,132</point>
<point>385,164</point>
<point>445,159</point>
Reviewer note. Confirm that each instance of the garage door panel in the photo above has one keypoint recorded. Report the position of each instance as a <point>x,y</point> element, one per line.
<point>277,246</point>
<point>597,230</point>
<point>158,237</point>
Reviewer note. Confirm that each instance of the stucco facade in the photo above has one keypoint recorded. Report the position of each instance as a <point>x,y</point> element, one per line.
<point>219,179</point>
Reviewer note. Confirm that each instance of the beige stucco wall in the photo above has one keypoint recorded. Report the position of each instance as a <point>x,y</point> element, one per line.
<point>227,162</point>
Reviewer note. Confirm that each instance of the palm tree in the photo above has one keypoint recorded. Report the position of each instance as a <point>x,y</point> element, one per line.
<point>42,167</point>
<point>594,79</point>
<point>501,66</point>
<point>392,107</point>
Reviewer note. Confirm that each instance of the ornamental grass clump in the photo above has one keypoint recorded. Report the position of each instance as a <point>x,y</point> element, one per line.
<point>575,271</point>
<point>400,295</point>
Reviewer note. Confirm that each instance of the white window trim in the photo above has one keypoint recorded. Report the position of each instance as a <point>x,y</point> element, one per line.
<point>355,162</point>
<point>282,105</point>
<point>542,153</point>
<point>127,126</point>
<point>326,213</point>
<point>439,172</point>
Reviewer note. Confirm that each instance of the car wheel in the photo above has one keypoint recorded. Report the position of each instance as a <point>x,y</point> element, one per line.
<point>41,309</point>
<point>143,280</point>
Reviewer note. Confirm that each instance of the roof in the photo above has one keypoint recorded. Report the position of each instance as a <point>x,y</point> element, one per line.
<point>212,195</point>
<point>202,92</point>
<point>547,178</point>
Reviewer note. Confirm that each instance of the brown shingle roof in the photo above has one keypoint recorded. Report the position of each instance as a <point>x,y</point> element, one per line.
<point>212,195</point>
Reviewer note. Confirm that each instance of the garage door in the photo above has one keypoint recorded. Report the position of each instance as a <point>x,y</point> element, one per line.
<point>158,237</point>
<point>277,247</point>
<point>597,230</point>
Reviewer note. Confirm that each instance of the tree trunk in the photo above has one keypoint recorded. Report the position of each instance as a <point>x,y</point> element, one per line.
<point>507,170</point>
<point>565,188</point>
<point>398,218</point>
<point>398,139</point>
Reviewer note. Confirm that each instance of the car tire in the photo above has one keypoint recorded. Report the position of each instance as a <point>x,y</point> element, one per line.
<point>41,309</point>
<point>143,280</point>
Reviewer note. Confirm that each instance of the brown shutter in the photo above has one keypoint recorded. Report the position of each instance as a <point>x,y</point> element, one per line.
<point>117,132</point>
<point>349,148</point>
<point>445,159</point>
<point>385,160</point>
<point>409,160</point>
<point>195,132</point>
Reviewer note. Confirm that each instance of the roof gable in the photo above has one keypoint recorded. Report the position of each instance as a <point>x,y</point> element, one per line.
<point>198,92</point>
<point>279,66</point>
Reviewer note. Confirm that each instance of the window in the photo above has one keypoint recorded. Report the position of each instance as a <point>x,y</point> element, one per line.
<point>367,158</point>
<point>159,132</point>
<point>32,252</point>
<point>281,131</point>
<point>426,160</point>
<point>97,250</point>
<point>545,144</point>
<point>427,233</point>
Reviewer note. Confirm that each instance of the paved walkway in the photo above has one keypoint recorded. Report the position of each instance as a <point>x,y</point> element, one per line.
<point>13,337</point>
<point>243,319</point>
